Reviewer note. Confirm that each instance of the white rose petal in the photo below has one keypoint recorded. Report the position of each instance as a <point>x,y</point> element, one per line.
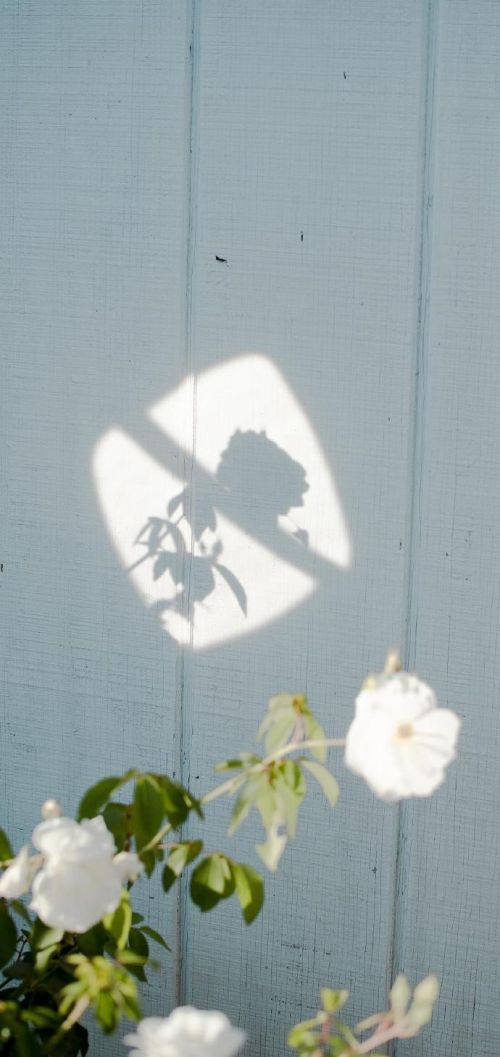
<point>82,876</point>
<point>399,741</point>
<point>65,839</point>
<point>75,897</point>
<point>18,876</point>
<point>128,865</point>
<point>187,1032</point>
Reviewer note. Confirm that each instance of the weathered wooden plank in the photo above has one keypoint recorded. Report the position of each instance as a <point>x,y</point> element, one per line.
<point>448,917</point>
<point>94,149</point>
<point>305,246</point>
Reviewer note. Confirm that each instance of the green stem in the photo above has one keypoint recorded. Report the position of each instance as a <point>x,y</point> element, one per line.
<point>157,837</point>
<point>293,746</point>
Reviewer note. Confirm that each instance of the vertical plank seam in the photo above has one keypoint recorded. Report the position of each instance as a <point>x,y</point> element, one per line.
<point>188,458</point>
<point>417,441</point>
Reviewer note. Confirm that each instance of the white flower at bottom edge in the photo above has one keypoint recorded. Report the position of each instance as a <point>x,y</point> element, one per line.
<point>187,1032</point>
<point>18,876</point>
<point>399,741</point>
<point>81,878</point>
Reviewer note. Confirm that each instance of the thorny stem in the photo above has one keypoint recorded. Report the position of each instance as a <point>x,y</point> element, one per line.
<point>286,750</point>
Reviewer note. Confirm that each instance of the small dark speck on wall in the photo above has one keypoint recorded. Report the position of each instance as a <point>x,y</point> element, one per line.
<point>1,567</point>
<point>221,260</point>
<point>345,76</point>
<point>302,236</point>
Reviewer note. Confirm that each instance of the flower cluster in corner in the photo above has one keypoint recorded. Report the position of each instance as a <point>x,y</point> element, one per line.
<point>76,878</point>
<point>187,1032</point>
<point>86,947</point>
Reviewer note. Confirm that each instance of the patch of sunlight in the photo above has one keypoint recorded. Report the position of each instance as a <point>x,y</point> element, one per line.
<point>250,393</point>
<point>230,547</point>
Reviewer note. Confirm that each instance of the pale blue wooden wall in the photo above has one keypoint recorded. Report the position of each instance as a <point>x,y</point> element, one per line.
<point>343,156</point>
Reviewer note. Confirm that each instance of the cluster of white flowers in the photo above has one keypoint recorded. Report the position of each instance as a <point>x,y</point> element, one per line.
<point>76,878</point>
<point>400,742</point>
<point>187,1032</point>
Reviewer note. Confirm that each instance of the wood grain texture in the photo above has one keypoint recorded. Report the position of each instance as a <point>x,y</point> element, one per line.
<point>185,181</point>
<point>93,210</point>
<point>307,181</point>
<point>447,909</point>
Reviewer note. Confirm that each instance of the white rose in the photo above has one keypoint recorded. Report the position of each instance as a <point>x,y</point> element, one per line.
<point>81,878</point>
<point>18,876</point>
<point>399,741</point>
<point>187,1032</point>
<point>69,841</point>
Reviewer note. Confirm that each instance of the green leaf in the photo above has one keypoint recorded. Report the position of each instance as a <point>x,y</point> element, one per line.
<point>130,958</point>
<point>41,1017</point>
<point>92,941</point>
<point>149,860</point>
<point>154,935</point>
<point>280,732</point>
<point>42,936</point>
<point>94,799</point>
<point>116,817</point>
<point>5,847</point>
<point>138,943</point>
<point>8,936</point>
<point>326,780</point>
<point>70,995</point>
<point>211,881</point>
<point>271,850</point>
<point>290,788</point>
<point>228,765</point>
<point>168,878</point>
<point>315,732</point>
<point>333,1000</point>
<point>303,1034</point>
<point>118,923</point>
<point>21,910</point>
<point>178,801</point>
<point>249,889</point>
<point>246,800</point>
<point>27,1043</point>
<point>148,809</point>
<point>182,854</point>
<point>267,804</point>
<point>44,942</point>
<point>106,1012</point>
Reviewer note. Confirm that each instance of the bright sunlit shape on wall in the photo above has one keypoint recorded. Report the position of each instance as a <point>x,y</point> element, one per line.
<point>205,552</point>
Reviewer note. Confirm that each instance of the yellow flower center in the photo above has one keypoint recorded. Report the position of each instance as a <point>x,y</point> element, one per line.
<point>405,730</point>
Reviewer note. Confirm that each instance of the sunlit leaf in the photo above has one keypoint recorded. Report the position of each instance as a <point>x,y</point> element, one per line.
<point>5,847</point>
<point>94,799</point>
<point>315,732</point>
<point>118,923</point>
<point>326,780</point>
<point>211,881</point>
<point>249,889</point>
<point>182,854</point>
<point>154,935</point>
<point>148,809</point>
<point>271,850</point>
